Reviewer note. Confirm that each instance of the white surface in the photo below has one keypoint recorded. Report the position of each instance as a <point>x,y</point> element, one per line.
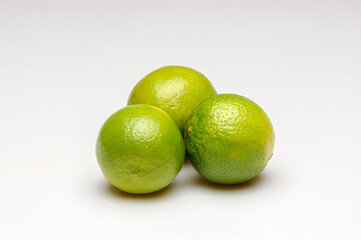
<point>66,66</point>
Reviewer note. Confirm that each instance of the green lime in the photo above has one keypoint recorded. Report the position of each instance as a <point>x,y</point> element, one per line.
<point>229,139</point>
<point>175,89</point>
<point>140,149</point>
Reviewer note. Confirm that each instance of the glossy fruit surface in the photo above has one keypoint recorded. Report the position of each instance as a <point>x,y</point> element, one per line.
<point>229,139</point>
<point>175,89</point>
<point>140,149</point>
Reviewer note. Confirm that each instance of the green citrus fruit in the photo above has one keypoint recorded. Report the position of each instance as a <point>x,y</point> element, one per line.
<point>175,89</point>
<point>229,139</point>
<point>140,149</point>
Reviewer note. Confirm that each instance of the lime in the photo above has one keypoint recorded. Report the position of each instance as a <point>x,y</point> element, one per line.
<point>140,149</point>
<point>229,139</point>
<point>175,89</point>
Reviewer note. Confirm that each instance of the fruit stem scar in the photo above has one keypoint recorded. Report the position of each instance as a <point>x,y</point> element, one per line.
<point>188,131</point>
<point>190,128</point>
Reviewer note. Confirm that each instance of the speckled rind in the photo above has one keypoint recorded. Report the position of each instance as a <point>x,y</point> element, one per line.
<point>140,149</point>
<point>229,139</point>
<point>175,89</point>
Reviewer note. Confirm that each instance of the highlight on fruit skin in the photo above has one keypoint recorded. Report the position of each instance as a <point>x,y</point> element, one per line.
<point>175,89</point>
<point>229,139</point>
<point>140,149</point>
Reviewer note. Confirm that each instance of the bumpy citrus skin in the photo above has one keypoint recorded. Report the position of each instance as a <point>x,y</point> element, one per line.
<point>175,89</point>
<point>229,139</point>
<point>140,149</point>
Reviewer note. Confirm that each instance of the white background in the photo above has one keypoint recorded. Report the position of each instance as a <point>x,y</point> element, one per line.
<point>65,66</point>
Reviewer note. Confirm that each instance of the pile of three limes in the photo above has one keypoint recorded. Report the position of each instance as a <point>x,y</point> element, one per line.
<point>174,111</point>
